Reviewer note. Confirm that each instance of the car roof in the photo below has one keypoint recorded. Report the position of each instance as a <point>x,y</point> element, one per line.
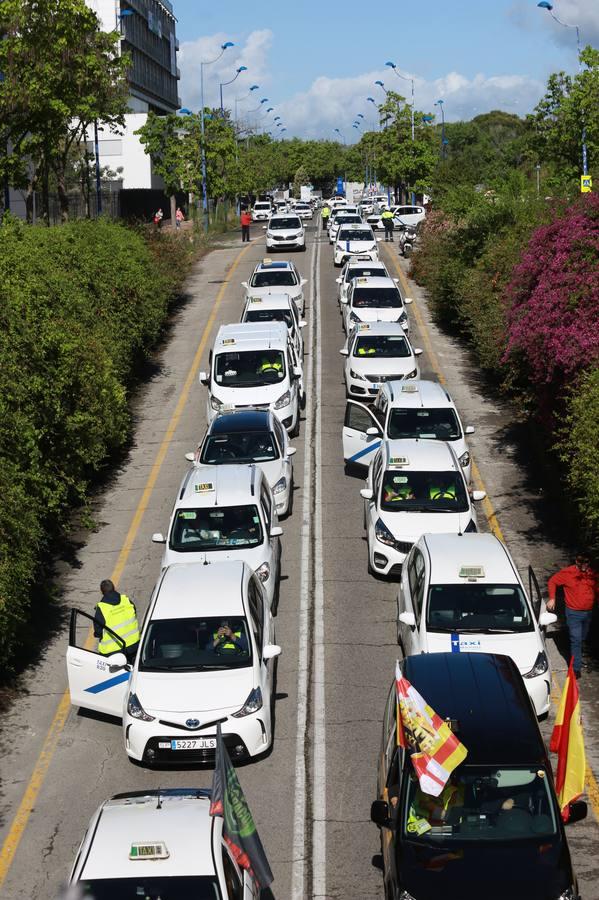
<point>272,300</point>
<point>251,336</point>
<point>178,818</point>
<point>356,226</point>
<point>220,486</point>
<point>284,216</point>
<point>241,421</point>
<point>451,553</point>
<point>417,394</point>
<point>366,261</point>
<point>192,589</point>
<point>268,264</point>
<point>376,281</point>
<point>379,328</point>
<point>485,695</point>
<point>421,455</point>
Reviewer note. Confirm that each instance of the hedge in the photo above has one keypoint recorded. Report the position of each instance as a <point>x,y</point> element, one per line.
<point>80,307</point>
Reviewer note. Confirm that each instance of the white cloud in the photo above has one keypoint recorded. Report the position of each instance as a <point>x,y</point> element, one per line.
<point>252,53</point>
<point>584,13</point>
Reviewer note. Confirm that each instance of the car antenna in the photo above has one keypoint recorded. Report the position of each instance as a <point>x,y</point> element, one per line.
<point>158,799</point>
<point>206,563</point>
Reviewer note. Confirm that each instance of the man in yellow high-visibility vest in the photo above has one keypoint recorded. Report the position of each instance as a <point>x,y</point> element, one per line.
<point>116,612</point>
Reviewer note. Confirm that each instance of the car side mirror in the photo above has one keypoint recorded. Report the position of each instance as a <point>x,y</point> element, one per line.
<point>469,429</point>
<point>417,351</point>
<point>203,378</point>
<point>378,240</point>
<point>477,496</point>
<point>344,351</point>
<point>372,431</point>
<point>408,300</point>
<point>408,618</point>
<point>277,531</point>
<point>158,538</point>
<point>344,300</point>
<point>245,285</point>
<point>302,323</point>
<point>264,227</point>
<point>291,451</point>
<point>269,651</point>
<point>303,281</point>
<point>547,618</point>
<point>190,457</point>
<point>577,812</point>
<point>379,814</point>
<point>297,372</point>
<point>396,280</point>
<point>117,660</point>
<point>339,280</point>
<point>367,493</point>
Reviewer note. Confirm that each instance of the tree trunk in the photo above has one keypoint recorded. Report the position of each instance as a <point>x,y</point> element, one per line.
<point>173,200</point>
<point>63,197</point>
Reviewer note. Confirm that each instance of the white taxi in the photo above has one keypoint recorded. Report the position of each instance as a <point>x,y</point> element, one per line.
<point>277,275</point>
<point>359,267</point>
<point>276,308</point>
<point>159,843</point>
<point>344,217</point>
<point>304,210</point>
<point>421,409</point>
<point>285,231</point>
<point>376,353</point>
<point>226,513</point>
<point>374,300</point>
<point>205,657</point>
<point>463,594</point>
<point>355,240</point>
<point>413,487</point>
<point>261,211</point>
<point>251,436</point>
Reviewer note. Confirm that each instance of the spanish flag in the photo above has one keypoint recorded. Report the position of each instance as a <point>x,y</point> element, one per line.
<point>568,742</point>
<point>434,749</point>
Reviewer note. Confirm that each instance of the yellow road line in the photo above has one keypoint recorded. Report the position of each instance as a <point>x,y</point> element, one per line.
<point>19,823</point>
<point>592,785</point>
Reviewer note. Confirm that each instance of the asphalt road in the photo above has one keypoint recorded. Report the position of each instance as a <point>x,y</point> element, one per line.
<point>311,795</point>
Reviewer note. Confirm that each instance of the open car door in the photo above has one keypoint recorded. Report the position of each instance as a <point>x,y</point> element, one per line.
<point>534,592</point>
<point>359,447</point>
<point>94,683</point>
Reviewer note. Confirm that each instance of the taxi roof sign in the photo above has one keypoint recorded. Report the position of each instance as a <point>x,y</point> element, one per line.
<point>203,487</point>
<point>409,388</point>
<point>255,299</point>
<point>472,572</point>
<point>363,326</point>
<point>227,341</point>
<point>399,461</point>
<point>267,260</point>
<point>153,850</point>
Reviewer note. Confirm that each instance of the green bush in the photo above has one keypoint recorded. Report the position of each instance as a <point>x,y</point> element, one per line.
<point>80,307</point>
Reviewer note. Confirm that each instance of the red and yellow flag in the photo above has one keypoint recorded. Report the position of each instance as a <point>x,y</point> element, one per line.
<point>568,742</point>
<point>434,748</point>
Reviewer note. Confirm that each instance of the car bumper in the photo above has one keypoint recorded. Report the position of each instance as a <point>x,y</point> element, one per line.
<point>539,691</point>
<point>150,742</point>
<point>341,256</point>
<point>287,415</point>
<point>285,245</point>
<point>361,390</point>
<point>387,560</point>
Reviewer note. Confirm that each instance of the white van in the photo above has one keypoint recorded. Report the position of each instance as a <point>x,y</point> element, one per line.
<point>261,211</point>
<point>253,364</point>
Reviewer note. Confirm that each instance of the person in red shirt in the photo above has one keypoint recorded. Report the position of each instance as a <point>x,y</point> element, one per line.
<point>581,585</point>
<point>246,221</point>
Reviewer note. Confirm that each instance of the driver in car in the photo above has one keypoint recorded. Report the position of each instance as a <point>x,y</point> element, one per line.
<point>225,640</point>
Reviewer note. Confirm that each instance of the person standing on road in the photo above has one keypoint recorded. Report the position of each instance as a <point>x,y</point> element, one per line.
<point>580,583</point>
<point>246,221</point>
<point>117,612</point>
<point>325,214</point>
<point>387,220</point>
<point>179,217</point>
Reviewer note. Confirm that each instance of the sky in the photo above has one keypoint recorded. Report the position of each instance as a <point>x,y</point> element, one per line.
<point>316,61</point>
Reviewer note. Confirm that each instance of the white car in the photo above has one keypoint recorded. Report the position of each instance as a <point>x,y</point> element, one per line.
<point>355,240</point>
<point>159,843</point>
<point>274,275</point>
<point>408,215</point>
<point>276,308</point>
<point>261,211</point>
<point>343,218</point>
<point>304,210</point>
<point>421,409</point>
<point>374,300</point>
<point>285,231</point>
<point>226,513</point>
<point>360,267</point>
<point>254,365</point>
<point>251,436</point>
<point>205,656</point>
<point>374,354</point>
<point>413,487</point>
<point>463,594</point>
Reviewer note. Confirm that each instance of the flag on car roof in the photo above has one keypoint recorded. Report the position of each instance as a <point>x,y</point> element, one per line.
<point>239,832</point>
<point>434,749</point>
<point>567,741</point>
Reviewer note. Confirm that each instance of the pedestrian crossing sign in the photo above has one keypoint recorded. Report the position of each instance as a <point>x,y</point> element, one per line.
<point>586,184</point>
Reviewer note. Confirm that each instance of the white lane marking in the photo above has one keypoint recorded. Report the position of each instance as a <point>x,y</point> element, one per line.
<point>319,777</point>
<point>298,871</point>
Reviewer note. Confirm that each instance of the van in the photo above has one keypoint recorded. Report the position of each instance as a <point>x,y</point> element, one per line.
<point>499,834</point>
<point>254,364</point>
<point>261,211</point>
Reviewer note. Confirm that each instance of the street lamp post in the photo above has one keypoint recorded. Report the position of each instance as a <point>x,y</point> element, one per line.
<point>411,80</point>
<point>440,103</point>
<point>225,83</point>
<point>223,47</point>
<point>254,87</point>
<point>549,7</point>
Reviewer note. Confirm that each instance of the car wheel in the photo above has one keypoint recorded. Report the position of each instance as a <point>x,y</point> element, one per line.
<point>303,401</point>
<point>296,428</point>
<point>290,503</point>
<point>275,599</point>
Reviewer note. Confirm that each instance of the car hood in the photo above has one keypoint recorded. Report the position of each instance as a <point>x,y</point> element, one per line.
<point>251,396</point>
<point>523,648</point>
<point>197,693</point>
<point>519,870</point>
<point>378,315</point>
<point>253,556</point>
<point>293,290</point>
<point>273,470</point>
<point>355,246</point>
<point>409,526</point>
<point>399,366</point>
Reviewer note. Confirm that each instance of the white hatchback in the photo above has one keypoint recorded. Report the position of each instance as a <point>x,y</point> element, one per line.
<point>359,267</point>
<point>355,240</point>
<point>372,299</point>
<point>276,307</point>
<point>342,218</point>
<point>463,594</point>
<point>285,231</point>
<point>277,276</point>
<point>376,353</point>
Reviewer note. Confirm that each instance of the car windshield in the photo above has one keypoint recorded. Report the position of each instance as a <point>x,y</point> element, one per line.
<point>376,298</point>
<point>174,887</point>
<point>262,206</point>
<point>381,346</point>
<point>347,219</point>
<point>284,222</point>
<point>423,492</point>
<point>251,368</point>
<point>477,608</point>
<point>270,315</point>
<point>481,804</point>
<point>215,527</point>
<point>272,278</point>
<point>365,272</point>
<point>212,642</point>
<point>355,234</point>
<point>437,424</point>
<point>239,447</point>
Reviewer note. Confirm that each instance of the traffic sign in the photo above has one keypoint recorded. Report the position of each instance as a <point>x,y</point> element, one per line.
<point>586,184</point>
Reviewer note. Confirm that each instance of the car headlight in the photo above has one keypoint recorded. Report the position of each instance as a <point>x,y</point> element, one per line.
<point>356,375</point>
<point>135,709</point>
<point>540,667</point>
<point>353,317</point>
<point>284,400</point>
<point>405,896</point>
<point>403,319</point>
<point>470,527</point>
<point>263,572</point>
<point>251,705</point>
<point>383,534</point>
<point>465,459</point>
<point>280,486</point>
<point>412,374</point>
<point>569,894</point>
<point>215,404</point>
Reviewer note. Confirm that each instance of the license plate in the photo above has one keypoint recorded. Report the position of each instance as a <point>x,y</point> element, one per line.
<point>375,386</point>
<point>194,744</point>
